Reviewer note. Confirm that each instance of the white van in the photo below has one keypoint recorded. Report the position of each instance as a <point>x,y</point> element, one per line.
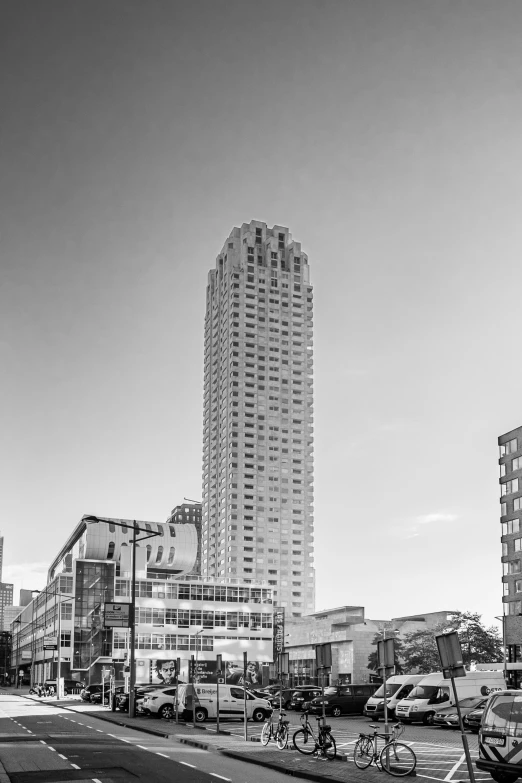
<point>231,702</point>
<point>433,690</point>
<point>397,687</point>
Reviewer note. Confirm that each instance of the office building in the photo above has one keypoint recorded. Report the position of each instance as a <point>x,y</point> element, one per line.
<point>177,614</point>
<point>1,556</point>
<point>6,599</point>
<point>510,461</point>
<point>258,416</point>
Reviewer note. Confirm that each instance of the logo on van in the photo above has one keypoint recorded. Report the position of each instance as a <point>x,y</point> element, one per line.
<point>486,690</point>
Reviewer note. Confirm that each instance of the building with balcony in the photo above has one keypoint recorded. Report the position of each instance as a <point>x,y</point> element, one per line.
<point>510,463</point>
<point>258,416</point>
<point>177,614</point>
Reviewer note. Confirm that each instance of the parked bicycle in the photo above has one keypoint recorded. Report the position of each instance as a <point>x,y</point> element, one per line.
<point>307,741</point>
<point>278,731</point>
<point>394,757</point>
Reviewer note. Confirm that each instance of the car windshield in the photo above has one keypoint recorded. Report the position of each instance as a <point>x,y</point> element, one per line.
<point>330,691</point>
<point>423,692</point>
<point>391,688</point>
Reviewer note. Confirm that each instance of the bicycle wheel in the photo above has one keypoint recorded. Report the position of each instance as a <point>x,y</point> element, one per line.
<point>304,742</point>
<point>266,733</point>
<point>398,759</point>
<point>328,746</point>
<point>282,737</point>
<point>363,752</point>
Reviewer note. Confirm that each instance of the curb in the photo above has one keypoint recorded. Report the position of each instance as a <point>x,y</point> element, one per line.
<point>296,773</point>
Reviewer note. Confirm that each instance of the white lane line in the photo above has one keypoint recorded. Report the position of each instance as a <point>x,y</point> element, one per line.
<point>62,756</point>
<point>124,740</point>
<point>101,732</point>
<point>75,766</point>
<point>142,747</point>
<point>95,780</point>
<point>43,742</point>
<point>429,777</point>
<point>215,775</point>
<point>50,748</point>
<point>455,767</point>
<point>162,754</point>
<point>186,764</point>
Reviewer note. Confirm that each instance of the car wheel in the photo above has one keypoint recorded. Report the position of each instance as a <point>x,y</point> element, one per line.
<point>258,715</point>
<point>336,712</point>
<point>166,711</point>
<point>200,715</point>
<point>503,777</point>
<point>286,705</point>
<point>428,719</point>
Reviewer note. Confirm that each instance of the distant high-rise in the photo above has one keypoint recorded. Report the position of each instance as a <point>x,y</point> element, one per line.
<point>510,447</point>
<point>1,556</point>
<point>258,416</point>
<point>6,599</point>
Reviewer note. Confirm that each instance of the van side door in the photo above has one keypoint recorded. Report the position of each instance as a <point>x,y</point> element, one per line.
<point>361,694</point>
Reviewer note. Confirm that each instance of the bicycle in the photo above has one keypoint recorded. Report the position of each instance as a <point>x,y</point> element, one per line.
<point>276,731</point>
<point>305,740</point>
<point>394,757</point>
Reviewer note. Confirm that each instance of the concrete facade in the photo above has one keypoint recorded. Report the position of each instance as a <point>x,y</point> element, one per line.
<point>351,635</point>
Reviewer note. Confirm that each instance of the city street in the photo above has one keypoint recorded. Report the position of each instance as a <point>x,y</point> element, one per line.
<point>70,743</point>
<point>40,743</point>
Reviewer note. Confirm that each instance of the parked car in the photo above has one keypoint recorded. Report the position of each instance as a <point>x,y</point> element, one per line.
<point>448,716</point>
<point>160,702</point>
<point>343,700</point>
<point>473,720</point>
<point>96,698</point>
<point>69,686</point>
<point>122,700</point>
<point>286,699</point>
<point>88,690</point>
<point>302,697</point>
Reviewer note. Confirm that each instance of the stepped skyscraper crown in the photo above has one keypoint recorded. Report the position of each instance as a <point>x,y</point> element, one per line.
<point>258,416</point>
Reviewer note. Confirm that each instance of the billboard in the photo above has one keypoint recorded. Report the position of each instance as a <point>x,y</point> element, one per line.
<point>279,632</point>
<point>163,671</point>
<point>117,615</point>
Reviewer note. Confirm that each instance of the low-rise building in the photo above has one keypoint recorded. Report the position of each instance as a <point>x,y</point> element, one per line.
<point>352,637</point>
<point>177,614</point>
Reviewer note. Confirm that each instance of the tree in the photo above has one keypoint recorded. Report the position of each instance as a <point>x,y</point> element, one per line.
<point>372,658</point>
<point>479,644</point>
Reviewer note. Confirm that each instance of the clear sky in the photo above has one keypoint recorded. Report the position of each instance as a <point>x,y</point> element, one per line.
<point>386,135</point>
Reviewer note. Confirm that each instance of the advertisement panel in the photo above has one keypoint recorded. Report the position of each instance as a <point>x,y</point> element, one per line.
<point>163,671</point>
<point>117,615</point>
<point>279,632</point>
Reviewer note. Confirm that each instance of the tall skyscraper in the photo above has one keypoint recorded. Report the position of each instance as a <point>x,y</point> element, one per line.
<point>258,416</point>
<point>1,556</point>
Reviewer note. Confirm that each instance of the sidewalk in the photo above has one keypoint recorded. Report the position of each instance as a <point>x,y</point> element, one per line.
<point>289,761</point>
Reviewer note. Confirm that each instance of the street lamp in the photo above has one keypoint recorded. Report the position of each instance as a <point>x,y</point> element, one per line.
<point>132,630</point>
<point>194,670</point>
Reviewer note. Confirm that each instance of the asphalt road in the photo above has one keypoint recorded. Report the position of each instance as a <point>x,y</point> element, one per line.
<point>41,743</point>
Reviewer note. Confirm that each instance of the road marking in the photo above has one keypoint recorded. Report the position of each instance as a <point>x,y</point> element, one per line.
<point>186,764</point>
<point>43,742</point>
<point>50,748</point>
<point>95,780</point>
<point>62,756</point>
<point>142,747</point>
<point>162,754</point>
<point>99,731</point>
<point>455,767</point>
<point>215,775</point>
<point>75,766</point>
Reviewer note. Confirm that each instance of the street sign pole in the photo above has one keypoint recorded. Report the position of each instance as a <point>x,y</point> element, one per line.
<point>219,665</point>
<point>450,654</point>
<point>245,661</point>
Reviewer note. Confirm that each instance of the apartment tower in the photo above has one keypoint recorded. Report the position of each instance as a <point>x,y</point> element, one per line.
<point>258,416</point>
<point>510,461</point>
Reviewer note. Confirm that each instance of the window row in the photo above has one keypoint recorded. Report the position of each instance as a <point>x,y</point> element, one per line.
<point>154,641</point>
<point>194,592</point>
<point>184,618</point>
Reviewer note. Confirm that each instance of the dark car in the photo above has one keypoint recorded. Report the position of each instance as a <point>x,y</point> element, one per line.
<point>69,686</point>
<point>284,697</point>
<point>303,697</point>
<point>87,692</point>
<point>96,698</point>
<point>448,716</point>
<point>343,700</point>
<point>473,720</point>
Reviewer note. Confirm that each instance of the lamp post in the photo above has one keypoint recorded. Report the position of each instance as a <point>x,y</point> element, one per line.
<point>132,630</point>
<point>195,668</point>
<point>18,621</point>
<point>33,641</point>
